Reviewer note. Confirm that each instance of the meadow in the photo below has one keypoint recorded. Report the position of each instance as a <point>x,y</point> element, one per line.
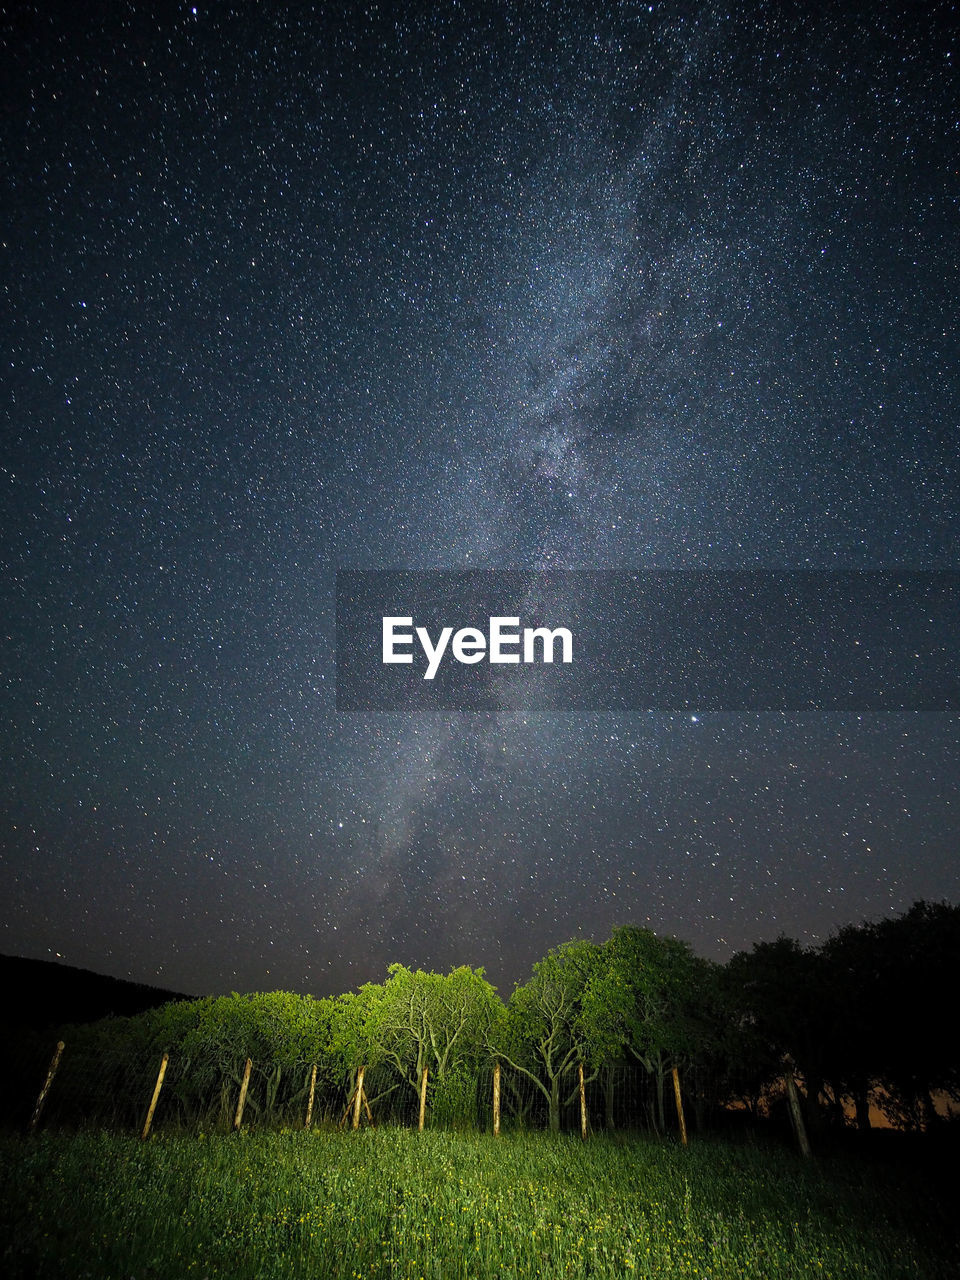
<point>395,1203</point>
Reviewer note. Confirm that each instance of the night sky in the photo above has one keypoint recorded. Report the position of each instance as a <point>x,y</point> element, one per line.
<point>526,285</point>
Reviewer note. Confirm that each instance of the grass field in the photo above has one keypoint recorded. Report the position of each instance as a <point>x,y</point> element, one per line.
<point>394,1203</point>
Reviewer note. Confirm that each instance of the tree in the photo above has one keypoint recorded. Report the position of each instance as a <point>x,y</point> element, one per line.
<point>541,1035</point>
<point>852,1016</point>
<point>354,1041</point>
<point>208,1041</point>
<point>740,1056</point>
<point>643,1000</point>
<point>862,1016</point>
<point>781,995</point>
<point>916,970</point>
<point>439,1021</point>
<point>277,1030</point>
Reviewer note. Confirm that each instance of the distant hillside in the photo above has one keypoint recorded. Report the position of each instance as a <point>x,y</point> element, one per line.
<point>42,993</point>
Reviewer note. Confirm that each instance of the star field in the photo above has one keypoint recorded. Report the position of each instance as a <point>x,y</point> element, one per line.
<point>289,290</point>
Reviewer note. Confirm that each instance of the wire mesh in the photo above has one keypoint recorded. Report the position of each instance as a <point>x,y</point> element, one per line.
<point>102,1085</point>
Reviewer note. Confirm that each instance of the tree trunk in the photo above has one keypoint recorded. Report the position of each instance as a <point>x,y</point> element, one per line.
<point>813,1115</point>
<point>928,1110</point>
<point>609,1086</point>
<point>861,1102</point>
<point>555,1105</point>
<point>226,1103</point>
<point>838,1110</point>
<point>273,1088</point>
<point>699,1104</point>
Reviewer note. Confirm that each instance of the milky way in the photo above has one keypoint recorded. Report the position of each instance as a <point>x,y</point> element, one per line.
<point>535,286</point>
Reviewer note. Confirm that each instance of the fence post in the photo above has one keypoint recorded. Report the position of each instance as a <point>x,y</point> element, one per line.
<point>423,1099</point>
<point>243,1095</point>
<point>51,1072</point>
<point>156,1094</point>
<point>496,1100</point>
<point>796,1115</point>
<point>359,1098</point>
<point>679,1099</point>
<point>583,1103</point>
<point>313,1089</point>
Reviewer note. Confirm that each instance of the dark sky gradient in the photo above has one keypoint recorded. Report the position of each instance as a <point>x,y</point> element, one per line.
<point>540,285</point>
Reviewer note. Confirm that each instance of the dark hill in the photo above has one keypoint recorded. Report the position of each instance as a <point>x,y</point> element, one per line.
<point>42,993</point>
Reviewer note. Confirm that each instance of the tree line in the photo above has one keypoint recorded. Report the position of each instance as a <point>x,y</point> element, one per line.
<point>864,1018</point>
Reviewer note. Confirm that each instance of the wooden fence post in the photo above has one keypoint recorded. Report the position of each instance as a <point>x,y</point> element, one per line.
<point>51,1072</point>
<point>156,1094</point>
<point>583,1102</point>
<point>243,1095</point>
<point>359,1099</point>
<point>496,1100</point>
<point>679,1099</point>
<point>423,1099</point>
<point>313,1089</point>
<point>796,1115</point>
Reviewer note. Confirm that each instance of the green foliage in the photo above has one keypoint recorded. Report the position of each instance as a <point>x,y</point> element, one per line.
<point>861,1017</point>
<point>353,1034</point>
<point>641,1000</point>
<point>275,1030</point>
<point>541,1034</point>
<point>432,1020</point>
<point>109,1067</point>
<point>453,1099</point>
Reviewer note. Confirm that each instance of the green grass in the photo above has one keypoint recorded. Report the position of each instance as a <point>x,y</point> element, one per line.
<point>394,1203</point>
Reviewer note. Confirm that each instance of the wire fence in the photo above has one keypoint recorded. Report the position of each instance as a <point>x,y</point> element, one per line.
<point>43,1086</point>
